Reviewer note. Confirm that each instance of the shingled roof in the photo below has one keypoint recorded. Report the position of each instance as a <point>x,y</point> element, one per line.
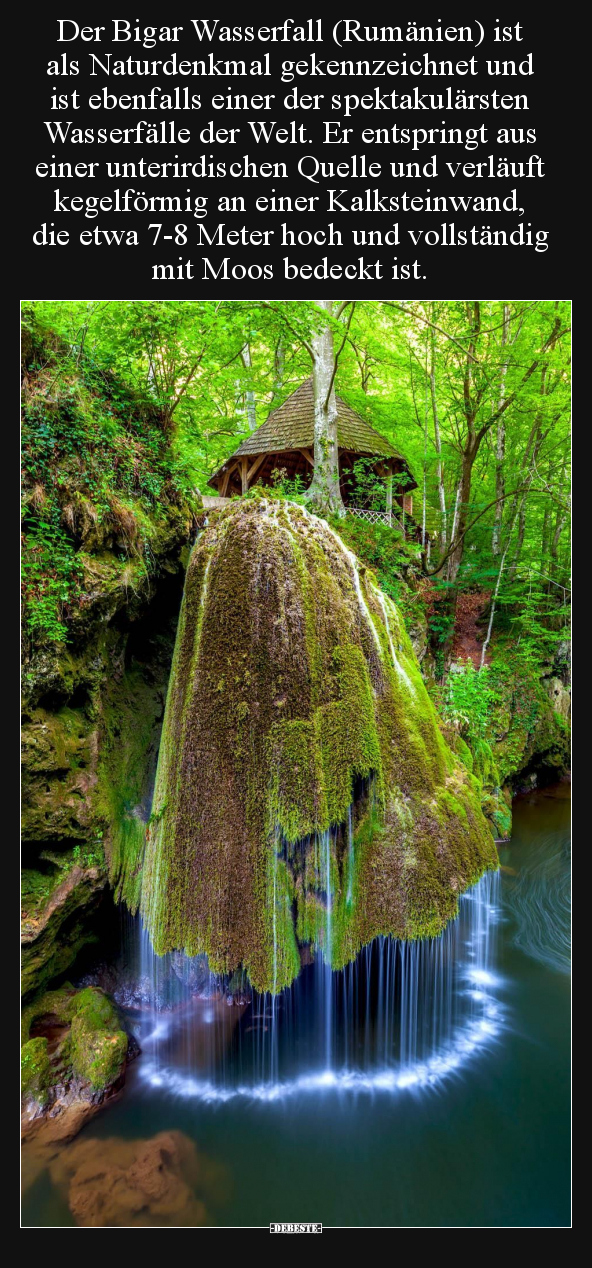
<point>291,426</point>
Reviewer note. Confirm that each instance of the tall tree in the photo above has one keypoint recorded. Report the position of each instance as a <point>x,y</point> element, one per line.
<point>500,448</point>
<point>437,440</point>
<point>324,492</point>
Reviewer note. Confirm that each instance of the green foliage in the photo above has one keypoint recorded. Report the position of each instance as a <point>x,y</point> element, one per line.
<point>468,697</point>
<point>282,488</point>
<point>51,576</point>
<point>97,469</point>
<point>383,549</point>
<point>209,371</point>
<point>440,624</point>
<point>504,714</point>
<point>370,489</point>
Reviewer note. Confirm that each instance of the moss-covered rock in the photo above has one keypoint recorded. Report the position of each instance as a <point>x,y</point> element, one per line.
<point>76,1058</point>
<point>527,733</point>
<point>293,685</point>
<point>58,1005</point>
<point>35,1070</point>
<point>98,1045</point>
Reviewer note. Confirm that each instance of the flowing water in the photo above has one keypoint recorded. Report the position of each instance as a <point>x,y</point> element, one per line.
<point>425,1085</point>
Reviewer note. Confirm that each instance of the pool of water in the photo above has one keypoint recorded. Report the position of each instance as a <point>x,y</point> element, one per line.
<point>423,1088</point>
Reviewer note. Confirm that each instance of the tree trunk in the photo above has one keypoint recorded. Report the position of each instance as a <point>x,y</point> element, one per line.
<point>500,572</point>
<point>536,438</point>
<point>279,362</point>
<point>500,449</point>
<point>250,395</point>
<point>472,443</point>
<point>464,500</point>
<point>324,493</point>
<point>438,445</point>
<point>520,539</point>
<point>560,519</point>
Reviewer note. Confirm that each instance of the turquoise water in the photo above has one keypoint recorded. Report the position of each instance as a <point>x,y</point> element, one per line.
<point>305,1119</point>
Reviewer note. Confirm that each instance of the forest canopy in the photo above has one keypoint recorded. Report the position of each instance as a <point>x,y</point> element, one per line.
<point>474,393</point>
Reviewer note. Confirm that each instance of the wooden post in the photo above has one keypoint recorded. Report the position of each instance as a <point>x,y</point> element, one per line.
<point>244,481</point>
<point>389,497</point>
<point>255,467</point>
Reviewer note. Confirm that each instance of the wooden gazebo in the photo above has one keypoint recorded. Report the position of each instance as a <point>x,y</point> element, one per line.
<point>284,442</point>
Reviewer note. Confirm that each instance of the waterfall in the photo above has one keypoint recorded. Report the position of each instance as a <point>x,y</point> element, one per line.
<point>277,705</point>
<point>396,662</point>
<point>350,857</point>
<point>403,1015</point>
<point>365,610</point>
<point>274,995</point>
<point>323,955</point>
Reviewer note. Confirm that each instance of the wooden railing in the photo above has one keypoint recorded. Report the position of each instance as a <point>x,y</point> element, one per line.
<point>361,513</point>
<point>377,517</point>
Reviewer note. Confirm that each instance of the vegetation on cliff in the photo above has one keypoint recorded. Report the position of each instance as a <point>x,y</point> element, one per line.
<point>108,512</point>
<point>100,480</point>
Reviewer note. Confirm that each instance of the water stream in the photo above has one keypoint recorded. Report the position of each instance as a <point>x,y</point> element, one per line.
<point>427,1084</point>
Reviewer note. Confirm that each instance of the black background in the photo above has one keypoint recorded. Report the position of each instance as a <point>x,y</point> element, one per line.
<point>120,272</point>
<point>556,38</point>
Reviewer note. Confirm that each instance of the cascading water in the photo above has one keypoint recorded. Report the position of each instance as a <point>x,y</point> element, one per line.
<point>396,662</point>
<point>350,857</point>
<point>302,783</point>
<point>323,953</point>
<point>293,681</point>
<point>403,1015</point>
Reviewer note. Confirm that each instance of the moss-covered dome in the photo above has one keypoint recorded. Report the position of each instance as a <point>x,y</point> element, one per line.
<point>304,790</point>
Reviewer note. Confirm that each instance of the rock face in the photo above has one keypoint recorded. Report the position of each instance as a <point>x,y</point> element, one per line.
<point>304,793</point>
<point>107,519</point>
<point>560,697</point>
<point>57,920</point>
<point>91,726</point>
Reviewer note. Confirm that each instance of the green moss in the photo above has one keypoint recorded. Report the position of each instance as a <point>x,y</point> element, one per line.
<point>485,765</point>
<point>463,751</point>
<point>297,802</point>
<point>100,474</point>
<point>294,687</point>
<point>130,733</point>
<point>98,1045</point>
<point>93,1049</point>
<point>35,1070</point>
<point>499,813</point>
<point>58,1004</point>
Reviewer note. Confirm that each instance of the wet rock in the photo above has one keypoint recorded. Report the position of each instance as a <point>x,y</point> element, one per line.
<point>194,973</point>
<point>118,1183</point>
